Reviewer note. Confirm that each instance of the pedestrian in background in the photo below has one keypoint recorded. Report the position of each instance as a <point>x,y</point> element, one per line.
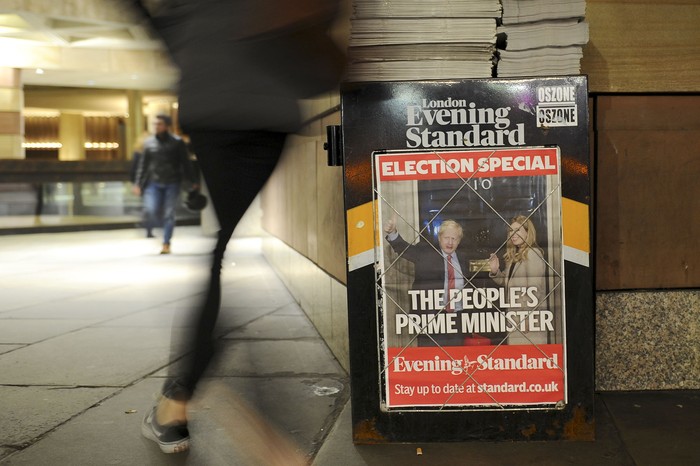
<point>163,166</point>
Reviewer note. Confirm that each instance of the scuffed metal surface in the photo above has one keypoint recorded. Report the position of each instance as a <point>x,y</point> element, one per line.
<point>578,427</point>
<point>366,432</point>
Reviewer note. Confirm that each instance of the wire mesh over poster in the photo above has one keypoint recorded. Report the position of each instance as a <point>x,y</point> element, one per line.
<point>469,279</point>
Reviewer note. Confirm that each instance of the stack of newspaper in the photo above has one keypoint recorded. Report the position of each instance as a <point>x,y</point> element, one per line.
<point>418,39</point>
<point>541,37</point>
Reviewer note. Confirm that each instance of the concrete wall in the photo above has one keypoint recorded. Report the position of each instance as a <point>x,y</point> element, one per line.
<point>303,210</point>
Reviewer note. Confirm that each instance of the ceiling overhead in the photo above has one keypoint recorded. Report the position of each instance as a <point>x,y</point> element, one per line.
<point>81,43</point>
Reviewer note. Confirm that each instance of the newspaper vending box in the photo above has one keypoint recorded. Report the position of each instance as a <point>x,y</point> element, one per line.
<point>470,289</point>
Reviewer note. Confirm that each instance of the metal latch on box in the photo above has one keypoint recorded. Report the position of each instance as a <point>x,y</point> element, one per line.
<point>334,146</point>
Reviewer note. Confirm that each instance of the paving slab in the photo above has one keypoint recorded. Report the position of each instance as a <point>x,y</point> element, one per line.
<point>142,296</point>
<point>233,420</point>
<point>658,427</point>
<point>181,313</point>
<point>23,295</point>
<point>158,316</point>
<point>22,265</point>
<point>128,277</point>
<point>292,309</point>
<point>234,317</point>
<point>238,297</point>
<point>267,358</point>
<point>253,275</point>
<point>271,357</point>
<point>7,348</point>
<point>89,357</point>
<point>24,331</point>
<point>29,412</point>
<point>250,274</point>
<point>608,450</point>
<point>106,434</point>
<point>4,452</point>
<point>63,281</point>
<point>303,409</point>
<point>276,326</point>
<point>84,308</point>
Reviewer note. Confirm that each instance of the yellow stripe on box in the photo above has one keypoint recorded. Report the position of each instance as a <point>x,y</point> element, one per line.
<point>576,225</point>
<point>360,229</point>
<point>575,220</point>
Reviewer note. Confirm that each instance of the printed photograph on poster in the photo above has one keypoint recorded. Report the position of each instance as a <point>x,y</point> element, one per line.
<point>470,295</point>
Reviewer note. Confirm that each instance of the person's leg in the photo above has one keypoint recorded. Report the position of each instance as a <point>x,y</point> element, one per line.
<point>171,194</point>
<point>235,166</point>
<point>160,202</point>
<point>150,208</point>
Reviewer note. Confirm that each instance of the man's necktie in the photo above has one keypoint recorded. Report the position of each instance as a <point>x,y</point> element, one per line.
<point>450,282</point>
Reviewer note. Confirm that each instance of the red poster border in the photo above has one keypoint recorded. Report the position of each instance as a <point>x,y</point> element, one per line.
<point>480,382</point>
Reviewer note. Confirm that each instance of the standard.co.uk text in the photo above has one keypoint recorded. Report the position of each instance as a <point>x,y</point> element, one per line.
<point>455,388</point>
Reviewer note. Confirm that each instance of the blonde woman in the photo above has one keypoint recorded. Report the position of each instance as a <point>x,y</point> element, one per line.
<point>524,268</point>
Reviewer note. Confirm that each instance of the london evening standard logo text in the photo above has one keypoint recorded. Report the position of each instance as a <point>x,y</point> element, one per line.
<point>557,106</point>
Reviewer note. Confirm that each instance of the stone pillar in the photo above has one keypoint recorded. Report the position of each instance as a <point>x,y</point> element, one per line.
<point>71,135</point>
<point>135,124</point>
<point>11,120</point>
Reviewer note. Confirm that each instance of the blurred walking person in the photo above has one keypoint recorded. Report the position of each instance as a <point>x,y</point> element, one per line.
<point>244,65</point>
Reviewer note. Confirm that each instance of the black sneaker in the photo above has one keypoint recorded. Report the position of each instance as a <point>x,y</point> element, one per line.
<point>171,438</point>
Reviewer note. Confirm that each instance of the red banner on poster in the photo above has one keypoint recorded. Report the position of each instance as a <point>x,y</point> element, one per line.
<point>468,164</point>
<point>475,376</point>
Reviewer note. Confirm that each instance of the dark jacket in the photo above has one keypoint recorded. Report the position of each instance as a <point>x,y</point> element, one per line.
<point>429,263</point>
<point>165,160</point>
<point>242,66</point>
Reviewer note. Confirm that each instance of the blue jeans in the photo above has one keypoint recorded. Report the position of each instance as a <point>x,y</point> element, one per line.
<point>157,198</point>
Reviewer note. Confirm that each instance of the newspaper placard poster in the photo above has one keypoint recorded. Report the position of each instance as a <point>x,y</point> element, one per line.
<point>470,292</point>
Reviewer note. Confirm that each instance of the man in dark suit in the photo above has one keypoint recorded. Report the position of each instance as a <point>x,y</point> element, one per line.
<point>437,269</point>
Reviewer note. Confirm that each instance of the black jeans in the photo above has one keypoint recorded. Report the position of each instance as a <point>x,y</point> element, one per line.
<point>235,166</point>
